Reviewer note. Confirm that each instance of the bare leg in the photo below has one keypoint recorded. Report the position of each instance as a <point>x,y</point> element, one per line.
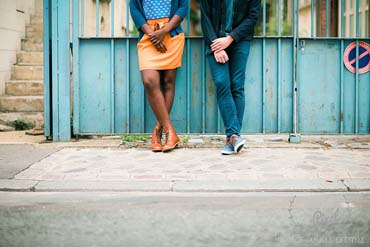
<point>168,79</point>
<point>168,87</point>
<point>152,85</point>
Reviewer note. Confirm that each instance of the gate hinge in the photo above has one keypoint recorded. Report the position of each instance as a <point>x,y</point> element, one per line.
<point>302,45</point>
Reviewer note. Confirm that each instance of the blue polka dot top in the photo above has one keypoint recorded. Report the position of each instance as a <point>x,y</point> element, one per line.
<point>156,9</point>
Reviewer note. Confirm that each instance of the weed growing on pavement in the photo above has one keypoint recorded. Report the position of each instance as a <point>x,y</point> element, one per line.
<point>20,124</point>
<point>185,139</point>
<point>134,138</point>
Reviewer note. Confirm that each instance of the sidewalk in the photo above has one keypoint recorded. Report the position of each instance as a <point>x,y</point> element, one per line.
<point>269,164</point>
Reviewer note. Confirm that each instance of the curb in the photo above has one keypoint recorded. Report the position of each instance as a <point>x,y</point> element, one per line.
<point>224,186</point>
<point>17,185</point>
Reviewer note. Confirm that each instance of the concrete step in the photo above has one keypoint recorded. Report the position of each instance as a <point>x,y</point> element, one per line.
<point>21,103</point>
<point>34,28</point>
<point>28,72</point>
<point>34,39</point>
<point>34,35</point>
<point>30,46</point>
<point>36,20</point>
<point>37,118</point>
<point>25,57</point>
<point>38,7</point>
<point>24,88</point>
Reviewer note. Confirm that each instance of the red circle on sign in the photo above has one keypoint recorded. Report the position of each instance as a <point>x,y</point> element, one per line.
<point>349,63</point>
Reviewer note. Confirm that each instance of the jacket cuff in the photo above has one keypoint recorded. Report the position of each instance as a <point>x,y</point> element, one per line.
<point>235,37</point>
<point>139,23</point>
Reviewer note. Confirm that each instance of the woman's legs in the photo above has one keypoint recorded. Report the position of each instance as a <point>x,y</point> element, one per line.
<point>161,98</point>
<point>152,85</point>
<point>168,79</point>
<point>168,87</point>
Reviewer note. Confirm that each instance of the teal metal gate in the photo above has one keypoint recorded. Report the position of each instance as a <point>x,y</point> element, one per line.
<point>293,84</point>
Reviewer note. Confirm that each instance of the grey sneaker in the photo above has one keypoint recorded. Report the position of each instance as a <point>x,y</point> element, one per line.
<point>238,143</point>
<point>228,149</point>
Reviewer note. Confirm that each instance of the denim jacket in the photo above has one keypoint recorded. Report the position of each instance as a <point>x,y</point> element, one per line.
<point>245,15</point>
<point>178,7</point>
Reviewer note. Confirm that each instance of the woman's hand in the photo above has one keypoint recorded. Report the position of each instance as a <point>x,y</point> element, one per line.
<point>160,47</point>
<point>221,43</point>
<point>157,36</point>
<point>221,56</point>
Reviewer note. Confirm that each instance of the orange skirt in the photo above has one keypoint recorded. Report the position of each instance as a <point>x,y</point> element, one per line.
<point>150,58</point>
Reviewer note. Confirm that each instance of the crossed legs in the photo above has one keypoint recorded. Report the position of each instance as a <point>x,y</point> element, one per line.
<point>160,91</point>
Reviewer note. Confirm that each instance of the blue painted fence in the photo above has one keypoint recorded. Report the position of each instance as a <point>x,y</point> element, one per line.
<point>293,84</point>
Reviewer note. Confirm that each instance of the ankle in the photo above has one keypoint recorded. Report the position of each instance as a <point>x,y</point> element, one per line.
<point>167,126</point>
<point>158,126</point>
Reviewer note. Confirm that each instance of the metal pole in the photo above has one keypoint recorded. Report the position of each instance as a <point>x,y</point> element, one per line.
<point>341,117</point>
<point>76,67</point>
<point>82,18</point>
<point>312,18</point>
<point>46,27</point>
<point>327,11</point>
<point>112,79</point>
<point>188,75</point>
<point>279,68</point>
<point>295,137</point>
<point>264,67</point>
<point>357,64</point>
<point>128,69</point>
<point>97,18</point>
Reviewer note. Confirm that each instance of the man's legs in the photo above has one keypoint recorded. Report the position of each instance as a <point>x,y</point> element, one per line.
<point>226,104</point>
<point>238,55</point>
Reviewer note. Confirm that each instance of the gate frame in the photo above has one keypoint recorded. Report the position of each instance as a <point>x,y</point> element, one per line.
<point>57,97</point>
<point>57,112</point>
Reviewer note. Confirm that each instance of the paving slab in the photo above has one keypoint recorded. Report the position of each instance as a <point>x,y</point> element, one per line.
<point>255,169</point>
<point>357,184</point>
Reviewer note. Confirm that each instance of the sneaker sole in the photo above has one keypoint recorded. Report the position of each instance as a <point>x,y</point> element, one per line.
<point>227,152</point>
<point>240,146</point>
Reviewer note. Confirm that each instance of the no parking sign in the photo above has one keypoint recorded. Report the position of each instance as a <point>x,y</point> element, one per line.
<point>350,60</point>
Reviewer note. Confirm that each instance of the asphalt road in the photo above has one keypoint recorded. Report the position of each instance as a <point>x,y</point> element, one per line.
<point>16,157</point>
<point>184,219</point>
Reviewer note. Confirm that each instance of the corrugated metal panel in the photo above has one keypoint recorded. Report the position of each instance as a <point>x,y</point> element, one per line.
<point>195,108</point>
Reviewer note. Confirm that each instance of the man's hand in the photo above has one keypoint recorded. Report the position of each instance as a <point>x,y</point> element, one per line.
<point>221,43</point>
<point>221,56</point>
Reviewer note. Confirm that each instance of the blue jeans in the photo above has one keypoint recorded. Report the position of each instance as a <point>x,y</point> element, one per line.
<point>229,80</point>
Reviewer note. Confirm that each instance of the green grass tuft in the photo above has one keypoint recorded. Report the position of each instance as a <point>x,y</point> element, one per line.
<point>134,138</point>
<point>185,139</point>
<point>20,124</point>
